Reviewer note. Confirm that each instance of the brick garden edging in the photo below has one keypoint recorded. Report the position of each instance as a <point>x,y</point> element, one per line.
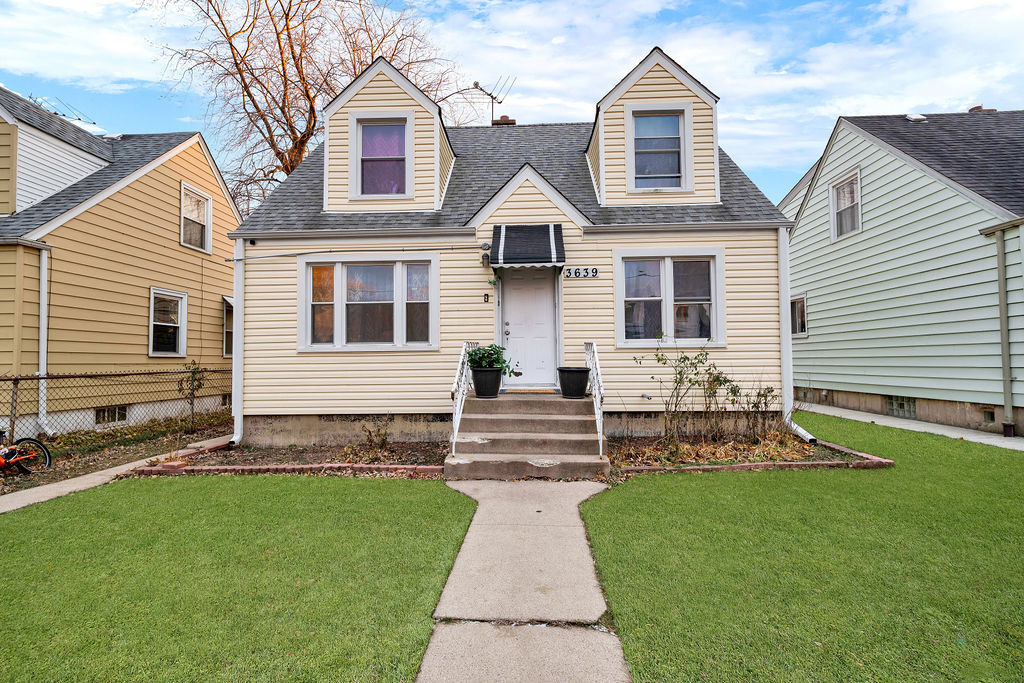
<point>178,467</point>
<point>866,462</point>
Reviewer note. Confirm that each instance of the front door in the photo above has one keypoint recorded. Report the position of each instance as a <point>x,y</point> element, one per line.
<point>528,325</point>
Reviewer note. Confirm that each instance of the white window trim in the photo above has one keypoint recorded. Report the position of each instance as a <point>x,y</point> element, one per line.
<point>355,148</point>
<point>339,345</point>
<point>799,335</point>
<point>718,336</point>
<point>208,238</point>
<point>227,350</point>
<point>685,110</point>
<point>834,236</point>
<point>182,323</point>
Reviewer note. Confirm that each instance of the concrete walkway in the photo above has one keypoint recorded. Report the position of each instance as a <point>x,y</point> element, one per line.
<point>523,597</point>
<point>39,494</point>
<point>988,438</point>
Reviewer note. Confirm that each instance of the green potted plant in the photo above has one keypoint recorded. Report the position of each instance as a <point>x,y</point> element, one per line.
<point>488,364</point>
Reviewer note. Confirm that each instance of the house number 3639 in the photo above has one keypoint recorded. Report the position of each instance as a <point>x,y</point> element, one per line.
<point>579,272</point>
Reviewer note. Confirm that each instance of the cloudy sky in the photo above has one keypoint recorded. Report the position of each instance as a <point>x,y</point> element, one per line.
<point>784,70</point>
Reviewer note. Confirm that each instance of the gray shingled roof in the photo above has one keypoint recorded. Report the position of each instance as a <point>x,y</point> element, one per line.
<point>128,154</point>
<point>32,114</point>
<point>487,157</point>
<point>983,151</point>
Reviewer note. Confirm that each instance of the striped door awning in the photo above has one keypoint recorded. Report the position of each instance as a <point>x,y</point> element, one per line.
<point>527,246</point>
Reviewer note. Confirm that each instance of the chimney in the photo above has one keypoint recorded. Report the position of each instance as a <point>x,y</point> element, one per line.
<point>503,121</point>
<point>980,109</point>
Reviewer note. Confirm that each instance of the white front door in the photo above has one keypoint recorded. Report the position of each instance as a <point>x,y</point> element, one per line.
<point>528,325</point>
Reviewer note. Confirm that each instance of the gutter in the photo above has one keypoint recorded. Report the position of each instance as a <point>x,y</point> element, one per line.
<point>237,340</point>
<point>698,227</point>
<point>21,241</point>
<point>786,338</point>
<point>353,232</point>
<point>999,232</point>
<point>44,335</point>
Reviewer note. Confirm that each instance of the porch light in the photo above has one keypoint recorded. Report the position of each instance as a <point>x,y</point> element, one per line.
<point>485,259</point>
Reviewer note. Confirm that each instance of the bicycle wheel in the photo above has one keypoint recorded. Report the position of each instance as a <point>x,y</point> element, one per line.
<point>36,464</point>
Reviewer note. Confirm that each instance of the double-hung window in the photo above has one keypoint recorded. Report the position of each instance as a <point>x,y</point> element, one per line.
<point>845,205</point>
<point>370,304</point>
<point>659,149</point>
<point>663,297</point>
<point>229,328</point>
<point>798,316</point>
<point>382,162</point>
<point>196,218</point>
<point>168,316</point>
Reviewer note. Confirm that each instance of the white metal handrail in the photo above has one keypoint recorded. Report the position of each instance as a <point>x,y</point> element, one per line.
<point>460,387</point>
<point>596,390</point>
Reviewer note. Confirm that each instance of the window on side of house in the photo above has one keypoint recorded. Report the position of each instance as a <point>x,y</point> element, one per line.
<point>798,316</point>
<point>846,207</point>
<point>168,330</point>
<point>356,305</point>
<point>196,218</point>
<point>382,157</point>
<point>108,415</point>
<point>229,329</point>
<point>671,299</point>
<point>657,150</point>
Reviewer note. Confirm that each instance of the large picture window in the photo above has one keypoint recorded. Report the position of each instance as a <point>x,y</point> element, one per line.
<point>669,298</point>
<point>168,315</point>
<point>369,304</point>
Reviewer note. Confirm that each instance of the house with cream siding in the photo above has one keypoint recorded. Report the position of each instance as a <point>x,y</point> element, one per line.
<point>362,278</point>
<point>113,258</point>
<point>906,275</point>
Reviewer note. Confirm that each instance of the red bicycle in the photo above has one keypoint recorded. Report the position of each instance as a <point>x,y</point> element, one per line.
<point>28,455</point>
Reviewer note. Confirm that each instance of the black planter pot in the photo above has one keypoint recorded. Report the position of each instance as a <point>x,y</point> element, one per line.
<point>573,382</point>
<point>486,382</point>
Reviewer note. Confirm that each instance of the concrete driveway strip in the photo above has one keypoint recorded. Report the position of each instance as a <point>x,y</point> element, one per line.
<point>525,556</point>
<point>475,651</point>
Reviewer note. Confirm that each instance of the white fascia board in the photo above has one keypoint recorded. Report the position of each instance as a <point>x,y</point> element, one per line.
<point>812,183</point>
<point>7,117</point>
<point>54,223</point>
<point>220,178</point>
<point>528,172</point>
<point>381,65</point>
<point>929,171</point>
<point>659,58</point>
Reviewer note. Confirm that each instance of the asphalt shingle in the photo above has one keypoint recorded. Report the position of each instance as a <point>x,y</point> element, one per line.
<point>32,114</point>
<point>128,154</point>
<point>487,157</point>
<point>983,151</point>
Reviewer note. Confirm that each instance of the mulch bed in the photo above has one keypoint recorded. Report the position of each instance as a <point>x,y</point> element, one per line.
<point>74,463</point>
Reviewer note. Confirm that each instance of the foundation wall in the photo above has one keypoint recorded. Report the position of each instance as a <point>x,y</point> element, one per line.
<point>281,431</point>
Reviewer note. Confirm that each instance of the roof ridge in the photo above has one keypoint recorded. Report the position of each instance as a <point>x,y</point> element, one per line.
<point>523,125</point>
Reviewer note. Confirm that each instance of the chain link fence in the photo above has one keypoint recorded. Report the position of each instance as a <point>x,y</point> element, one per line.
<point>49,406</point>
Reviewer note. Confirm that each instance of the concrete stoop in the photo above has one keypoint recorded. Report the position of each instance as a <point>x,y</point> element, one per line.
<point>527,435</point>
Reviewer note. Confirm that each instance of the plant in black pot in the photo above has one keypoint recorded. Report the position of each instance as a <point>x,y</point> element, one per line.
<point>488,364</point>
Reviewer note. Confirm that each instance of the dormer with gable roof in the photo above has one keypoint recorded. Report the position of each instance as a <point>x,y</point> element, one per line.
<point>387,149</point>
<point>655,139</point>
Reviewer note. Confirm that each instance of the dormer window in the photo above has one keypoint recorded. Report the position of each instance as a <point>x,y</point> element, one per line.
<point>382,162</point>
<point>659,147</point>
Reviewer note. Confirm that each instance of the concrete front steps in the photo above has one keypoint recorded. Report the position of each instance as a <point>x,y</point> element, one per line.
<point>527,435</point>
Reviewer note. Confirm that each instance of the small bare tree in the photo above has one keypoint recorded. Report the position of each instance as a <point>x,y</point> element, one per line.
<point>269,64</point>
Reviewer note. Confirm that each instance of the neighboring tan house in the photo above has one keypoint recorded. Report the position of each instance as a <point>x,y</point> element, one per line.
<point>112,258</point>
<point>906,269</point>
<point>400,238</point>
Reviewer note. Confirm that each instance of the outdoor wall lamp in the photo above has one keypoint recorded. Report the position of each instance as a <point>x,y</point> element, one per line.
<point>485,259</point>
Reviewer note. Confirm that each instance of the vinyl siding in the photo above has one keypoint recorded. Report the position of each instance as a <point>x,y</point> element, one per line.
<point>104,261</point>
<point>381,94</point>
<point>447,158</point>
<point>19,310</point>
<point>46,165</point>
<point>658,85</point>
<point>909,306</point>
<point>594,161</point>
<point>790,208</point>
<point>279,380</point>
<point>8,163</point>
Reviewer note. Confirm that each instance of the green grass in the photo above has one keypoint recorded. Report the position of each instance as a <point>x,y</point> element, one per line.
<point>227,578</point>
<point>914,572</point>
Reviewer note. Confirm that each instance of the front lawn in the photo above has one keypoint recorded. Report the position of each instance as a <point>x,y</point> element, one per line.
<point>192,578</point>
<point>914,572</point>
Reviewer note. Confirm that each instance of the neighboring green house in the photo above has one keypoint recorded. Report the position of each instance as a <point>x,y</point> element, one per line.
<point>906,269</point>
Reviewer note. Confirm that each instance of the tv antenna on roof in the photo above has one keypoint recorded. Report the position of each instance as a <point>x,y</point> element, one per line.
<point>68,112</point>
<point>500,92</point>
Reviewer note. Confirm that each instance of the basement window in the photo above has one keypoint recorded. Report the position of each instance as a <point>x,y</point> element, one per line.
<point>108,415</point>
<point>901,406</point>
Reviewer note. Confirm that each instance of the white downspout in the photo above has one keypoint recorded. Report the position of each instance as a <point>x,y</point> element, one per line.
<point>786,339</point>
<point>44,333</point>
<point>238,339</point>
